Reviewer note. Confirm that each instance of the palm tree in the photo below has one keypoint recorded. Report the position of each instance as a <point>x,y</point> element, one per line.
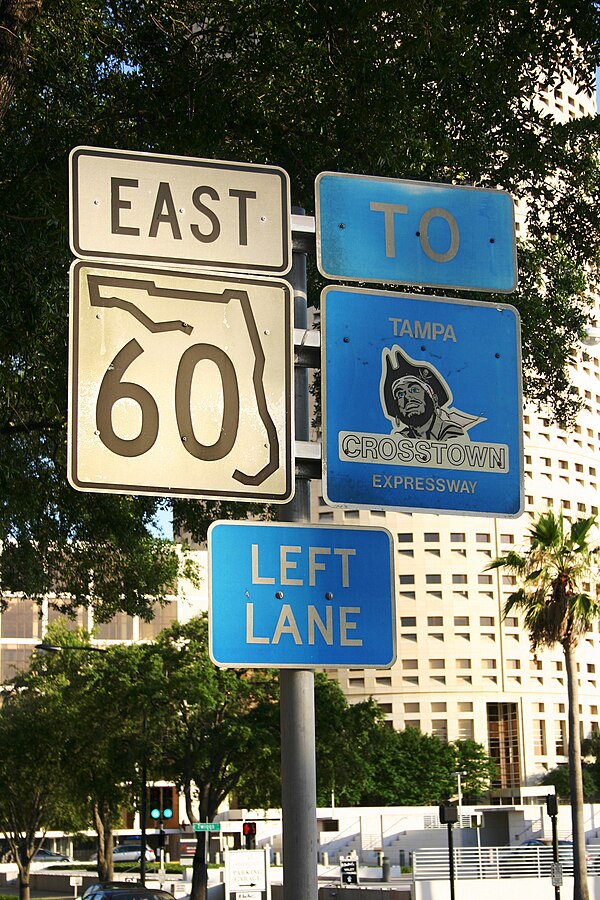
<point>558,607</point>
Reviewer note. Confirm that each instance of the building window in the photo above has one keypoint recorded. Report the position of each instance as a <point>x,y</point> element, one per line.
<point>439,728</point>
<point>459,579</point>
<point>560,737</point>
<point>539,737</point>
<point>503,743</point>
<point>466,729</point>
<point>457,537</point>
<point>437,663</point>
<point>405,537</point>
<point>408,621</point>
<point>431,537</point>
<point>435,621</point>
<point>406,579</point>
<point>433,579</point>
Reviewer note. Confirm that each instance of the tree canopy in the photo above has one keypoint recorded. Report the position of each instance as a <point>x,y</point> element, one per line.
<point>431,91</point>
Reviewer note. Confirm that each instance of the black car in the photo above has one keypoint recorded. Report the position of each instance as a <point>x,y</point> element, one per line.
<point>111,890</point>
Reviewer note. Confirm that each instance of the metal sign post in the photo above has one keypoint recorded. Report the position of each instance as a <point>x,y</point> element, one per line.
<point>297,704</point>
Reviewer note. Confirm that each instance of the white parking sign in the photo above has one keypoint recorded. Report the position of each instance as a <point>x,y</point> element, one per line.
<point>180,384</point>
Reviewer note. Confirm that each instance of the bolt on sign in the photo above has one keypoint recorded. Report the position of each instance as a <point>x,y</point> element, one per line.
<point>180,384</point>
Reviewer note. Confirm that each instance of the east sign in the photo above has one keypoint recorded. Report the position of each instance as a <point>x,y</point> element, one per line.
<point>300,595</point>
<point>201,213</point>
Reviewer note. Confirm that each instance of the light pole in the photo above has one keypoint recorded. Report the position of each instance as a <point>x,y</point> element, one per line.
<point>459,776</point>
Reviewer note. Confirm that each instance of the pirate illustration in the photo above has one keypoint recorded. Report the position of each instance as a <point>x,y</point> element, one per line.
<point>416,399</point>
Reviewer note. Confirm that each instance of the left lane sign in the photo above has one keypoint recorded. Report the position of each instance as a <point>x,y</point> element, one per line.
<point>180,384</point>
<point>300,595</point>
<point>201,213</point>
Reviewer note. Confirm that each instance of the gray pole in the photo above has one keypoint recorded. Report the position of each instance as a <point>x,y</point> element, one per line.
<point>298,767</point>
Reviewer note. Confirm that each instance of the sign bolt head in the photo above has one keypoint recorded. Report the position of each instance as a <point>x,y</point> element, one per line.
<point>329,595</point>
<point>342,226</point>
<point>279,595</point>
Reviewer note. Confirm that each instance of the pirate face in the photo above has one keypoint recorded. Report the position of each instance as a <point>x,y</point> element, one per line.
<point>414,401</point>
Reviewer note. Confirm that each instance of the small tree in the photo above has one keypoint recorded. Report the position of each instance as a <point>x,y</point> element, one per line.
<point>479,768</point>
<point>35,781</point>
<point>104,698</point>
<point>558,607</point>
<point>215,719</point>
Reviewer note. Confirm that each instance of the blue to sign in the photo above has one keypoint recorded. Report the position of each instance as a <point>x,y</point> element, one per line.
<point>388,230</point>
<point>300,595</point>
<point>422,403</point>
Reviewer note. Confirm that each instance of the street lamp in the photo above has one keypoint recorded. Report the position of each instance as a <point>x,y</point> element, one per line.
<point>459,776</point>
<point>54,648</point>
<point>592,336</point>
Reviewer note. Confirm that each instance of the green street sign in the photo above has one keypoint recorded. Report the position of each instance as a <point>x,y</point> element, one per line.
<point>207,826</point>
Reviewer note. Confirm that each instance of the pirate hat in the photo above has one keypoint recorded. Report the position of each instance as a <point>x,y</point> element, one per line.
<point>405,367</point>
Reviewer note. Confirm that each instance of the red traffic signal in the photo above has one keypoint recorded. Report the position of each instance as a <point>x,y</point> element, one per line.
<point>249,829</point>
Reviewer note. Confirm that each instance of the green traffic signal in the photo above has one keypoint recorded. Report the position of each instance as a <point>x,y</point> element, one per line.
<point>161,803</point>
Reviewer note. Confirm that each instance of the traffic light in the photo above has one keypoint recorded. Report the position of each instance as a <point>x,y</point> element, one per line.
<point>161,803</point>
<point>167,802</point>
<point>249,830</point>
<point>155,803</point>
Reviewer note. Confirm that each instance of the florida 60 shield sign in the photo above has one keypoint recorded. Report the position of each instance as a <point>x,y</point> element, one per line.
<point>422,403</point>
<point>180,384</point>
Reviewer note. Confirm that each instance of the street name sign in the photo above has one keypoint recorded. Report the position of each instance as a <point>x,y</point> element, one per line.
<point>180,384</point>
<point>392,231</point>
<point>422,403</point>
<point>300,595</point>
<point>200,213</point>
<point>207,826</point>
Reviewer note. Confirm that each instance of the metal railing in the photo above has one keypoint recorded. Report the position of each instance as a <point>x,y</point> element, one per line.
<point>497,862</point>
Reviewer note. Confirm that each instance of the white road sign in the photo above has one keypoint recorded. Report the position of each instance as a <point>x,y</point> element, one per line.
<point>246,870</point>
<point>201,213</point>
<point>180,384</point>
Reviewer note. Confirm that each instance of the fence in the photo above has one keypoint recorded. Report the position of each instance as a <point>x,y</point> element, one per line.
<point>497,862</point>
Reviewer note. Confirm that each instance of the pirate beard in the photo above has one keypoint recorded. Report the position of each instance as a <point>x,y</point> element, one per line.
<point>417,419</point>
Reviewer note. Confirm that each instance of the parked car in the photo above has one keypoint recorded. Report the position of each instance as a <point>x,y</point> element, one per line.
<point>124,891</point>
<point>535,855</point>
<point>129,853</point>
<point>44,855</point>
